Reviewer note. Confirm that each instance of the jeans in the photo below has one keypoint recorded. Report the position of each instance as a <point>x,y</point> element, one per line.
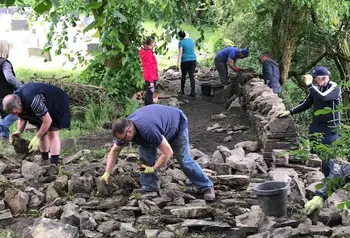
<point>190,67</point>
<point>221,67</point>
<point>329,136</point>
<point>343,175</point>
<point>190,167</point>
<point>149,94</point>
<point>5,125</point>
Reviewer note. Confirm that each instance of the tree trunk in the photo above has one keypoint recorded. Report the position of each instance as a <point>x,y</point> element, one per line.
<point>286,27</point>
<point>343,65</point>
<point>276,30</point>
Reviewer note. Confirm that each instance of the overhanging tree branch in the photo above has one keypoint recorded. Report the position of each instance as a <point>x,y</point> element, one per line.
<point>296,76</point>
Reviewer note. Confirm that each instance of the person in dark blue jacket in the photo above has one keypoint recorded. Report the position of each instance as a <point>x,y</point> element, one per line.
<point>322,93</point>
<point>316,203</point>
<point>45,106</point>
<point>270,73</point>
<point>228,57</point>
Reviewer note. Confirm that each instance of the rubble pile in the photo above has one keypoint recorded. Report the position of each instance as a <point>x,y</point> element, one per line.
<point>71,201</point>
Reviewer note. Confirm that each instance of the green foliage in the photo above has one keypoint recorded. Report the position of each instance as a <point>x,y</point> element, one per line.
<point>18,3</point>
<point>117,82</point>
<point>99,153</point>
<point>119,26</point>
<point>130,106</point>
<point>292,96</point>
<point>95,116</point>
<point>31,213</point>
<point>337,149</point>
<point>8,234</point>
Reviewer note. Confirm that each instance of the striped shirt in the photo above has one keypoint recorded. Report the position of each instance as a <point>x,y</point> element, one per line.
<point>7,70</point>
<point>38,105</point>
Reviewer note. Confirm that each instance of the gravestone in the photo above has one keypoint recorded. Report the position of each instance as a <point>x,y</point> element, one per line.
<point>12,10</point>
<point>19,25</point>
<point>38,52</point>
<point>91,47</point>
<point>3,11</point>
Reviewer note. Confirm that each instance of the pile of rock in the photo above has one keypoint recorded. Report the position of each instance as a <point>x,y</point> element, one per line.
<point>263,107</point>
<point>71,201</point>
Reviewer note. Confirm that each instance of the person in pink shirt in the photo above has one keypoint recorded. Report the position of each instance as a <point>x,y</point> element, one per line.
<point>149,68</point>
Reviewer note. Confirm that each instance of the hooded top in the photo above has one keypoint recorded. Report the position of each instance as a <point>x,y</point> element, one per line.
<point>271,75</point>
<point>149,64</point>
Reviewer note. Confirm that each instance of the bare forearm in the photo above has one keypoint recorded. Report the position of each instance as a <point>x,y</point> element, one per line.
<point>43,129</point>
<point>179,58</point>
<point>21,125</point>
<point>231,64</point>
<point>163,158</point>
<point>111,160</point>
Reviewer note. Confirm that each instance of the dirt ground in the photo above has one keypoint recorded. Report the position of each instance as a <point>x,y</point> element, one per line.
<point>96,140</point>
<point>199,111</point>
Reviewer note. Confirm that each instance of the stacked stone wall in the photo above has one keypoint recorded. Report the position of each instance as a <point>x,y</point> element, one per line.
<point>263,107</point>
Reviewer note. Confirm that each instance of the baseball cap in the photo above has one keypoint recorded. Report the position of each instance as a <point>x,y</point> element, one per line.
<point>245,52</point>
<point>319,71</point>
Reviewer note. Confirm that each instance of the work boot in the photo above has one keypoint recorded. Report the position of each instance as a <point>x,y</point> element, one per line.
<point>180,92</point>
<point>209,194</point>
<point>192,94</point>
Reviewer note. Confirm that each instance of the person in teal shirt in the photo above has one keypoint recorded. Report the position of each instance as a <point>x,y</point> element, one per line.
<point>188,59</point>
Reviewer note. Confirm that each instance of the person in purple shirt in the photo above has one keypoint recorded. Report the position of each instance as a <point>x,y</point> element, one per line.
<point>8,84</point>
<point>158,127</point>
<point>228,57</point>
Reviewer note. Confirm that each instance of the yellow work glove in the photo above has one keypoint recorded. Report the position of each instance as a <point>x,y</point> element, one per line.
<point>146,169</point>
<point>316,203</point>
<point>12,137</point>
<point>34,144</point>
<point>284,114</point>
<point>307,79</point>
<point>105,177</point>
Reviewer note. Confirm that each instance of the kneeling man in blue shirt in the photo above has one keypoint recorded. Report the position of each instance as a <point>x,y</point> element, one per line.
<point>163,127</point>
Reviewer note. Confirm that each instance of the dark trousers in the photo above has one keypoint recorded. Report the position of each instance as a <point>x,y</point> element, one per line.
<point>149,94</point>
<point>329,136</point>
<point>221,67</point>
<point>188,67</point>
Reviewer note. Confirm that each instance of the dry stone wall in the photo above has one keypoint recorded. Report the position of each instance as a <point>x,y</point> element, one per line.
<point>263,107</point>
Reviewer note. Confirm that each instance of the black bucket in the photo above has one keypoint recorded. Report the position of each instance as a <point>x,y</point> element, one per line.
<point>206,89</point>
<point>272,197</point>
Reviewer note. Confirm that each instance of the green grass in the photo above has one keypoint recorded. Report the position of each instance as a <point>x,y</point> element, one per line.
<point>25,73</point>
<point>99,153</point>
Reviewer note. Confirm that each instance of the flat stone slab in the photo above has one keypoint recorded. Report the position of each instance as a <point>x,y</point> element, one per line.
<point>193,212</point>
<point>45,228</point>
<point>205,225</point>
<point>233,180</point>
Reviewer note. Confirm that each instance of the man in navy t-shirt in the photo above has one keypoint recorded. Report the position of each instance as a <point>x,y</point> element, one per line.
<point>163,127</point>
<point>228,57</point>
